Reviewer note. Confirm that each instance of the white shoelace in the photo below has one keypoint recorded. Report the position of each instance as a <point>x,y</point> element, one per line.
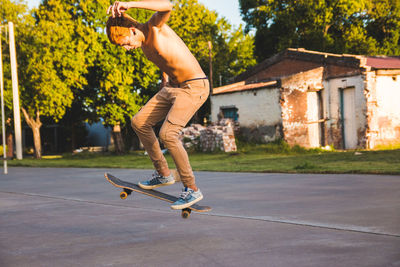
<point>156,177</point>
<point>184,194</point>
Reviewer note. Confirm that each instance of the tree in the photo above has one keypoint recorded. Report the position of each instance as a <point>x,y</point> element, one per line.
<point>54,55</point>
<point>383,25</point>
<point>123,81</point>
<point>90,16</point>
<point>338,26</point>
<point>16,12</point>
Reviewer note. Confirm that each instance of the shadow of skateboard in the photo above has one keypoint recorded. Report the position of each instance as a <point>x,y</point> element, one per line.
<point>128,188</point>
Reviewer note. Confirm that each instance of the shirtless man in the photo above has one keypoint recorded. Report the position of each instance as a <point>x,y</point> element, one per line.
<point>185,88</point>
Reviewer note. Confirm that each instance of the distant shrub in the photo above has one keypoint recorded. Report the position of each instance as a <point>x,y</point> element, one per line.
<point>279,147</point>
<point>305,166</point>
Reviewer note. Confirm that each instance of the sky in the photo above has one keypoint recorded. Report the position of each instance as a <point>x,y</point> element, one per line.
<point>226,8</point>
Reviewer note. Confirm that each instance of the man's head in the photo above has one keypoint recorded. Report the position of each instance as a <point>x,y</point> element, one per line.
<point>124,31</point>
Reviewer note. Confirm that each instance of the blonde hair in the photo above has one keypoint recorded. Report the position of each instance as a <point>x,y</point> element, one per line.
<point>119,27</point>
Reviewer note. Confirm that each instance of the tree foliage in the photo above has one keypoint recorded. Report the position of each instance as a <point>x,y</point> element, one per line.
<point>232,49</point>
<point>339,26</point>
<point>124,80</point>
<point>68,68</point>
<point>18,13</point>
<point>53,51</point>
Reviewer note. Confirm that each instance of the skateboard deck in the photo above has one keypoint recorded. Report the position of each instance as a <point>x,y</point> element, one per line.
<point>128,188</point>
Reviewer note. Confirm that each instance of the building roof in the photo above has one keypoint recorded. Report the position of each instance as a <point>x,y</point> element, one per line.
<point>242,86</point>
<point>383,62</point>
<point>345,60</point>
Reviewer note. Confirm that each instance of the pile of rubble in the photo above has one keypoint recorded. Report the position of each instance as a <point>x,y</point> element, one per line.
<point>219,136</point>
<point>190,136</point>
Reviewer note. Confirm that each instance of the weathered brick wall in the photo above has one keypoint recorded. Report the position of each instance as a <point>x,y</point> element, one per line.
<point>294,114</point>
<point>283,68</point>
<point>294,105</point>
<point>289,67</point>
<point>335,71</point>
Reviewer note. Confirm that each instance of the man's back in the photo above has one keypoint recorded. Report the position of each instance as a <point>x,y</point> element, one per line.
<point>167,50</point>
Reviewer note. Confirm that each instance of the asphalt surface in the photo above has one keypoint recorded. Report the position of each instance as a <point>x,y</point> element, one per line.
<point>74,217</point>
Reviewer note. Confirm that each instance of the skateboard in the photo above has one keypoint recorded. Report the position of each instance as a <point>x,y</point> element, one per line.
<point>128,188</point>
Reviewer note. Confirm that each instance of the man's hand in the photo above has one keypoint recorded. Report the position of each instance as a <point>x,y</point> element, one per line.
<point>156,5</point>
<point>117,9</point>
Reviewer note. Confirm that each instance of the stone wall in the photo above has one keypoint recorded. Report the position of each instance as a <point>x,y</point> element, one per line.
<point>216,137</point>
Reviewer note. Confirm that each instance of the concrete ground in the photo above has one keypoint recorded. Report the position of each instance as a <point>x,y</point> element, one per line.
<point>74,217</point>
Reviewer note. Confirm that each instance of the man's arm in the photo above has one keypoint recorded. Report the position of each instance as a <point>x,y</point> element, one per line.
<point>163,8</point>
<point>164,80</point>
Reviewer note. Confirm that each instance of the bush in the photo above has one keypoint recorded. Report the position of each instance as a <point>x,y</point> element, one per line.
<point>278,147</point>
<point>1,150</point>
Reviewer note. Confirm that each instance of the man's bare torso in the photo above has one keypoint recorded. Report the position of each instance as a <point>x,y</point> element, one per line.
<point>166,49</point>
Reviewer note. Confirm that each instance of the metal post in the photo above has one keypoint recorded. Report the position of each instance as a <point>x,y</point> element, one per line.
<point>14,75</point>
<point>2,109</point>
<point>211,70</point>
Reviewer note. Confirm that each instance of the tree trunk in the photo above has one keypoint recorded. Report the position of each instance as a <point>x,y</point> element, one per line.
<point>10,145</point>
<point>9,139</point>
<point>37,142</point>
<point>35,125</point>
<point>118,141</point>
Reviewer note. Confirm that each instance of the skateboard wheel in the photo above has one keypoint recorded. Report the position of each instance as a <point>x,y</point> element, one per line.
<point>186,213</point>
<point>123,195</point>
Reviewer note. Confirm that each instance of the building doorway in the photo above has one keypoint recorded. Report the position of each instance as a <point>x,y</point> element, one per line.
<point>348,116</point>
<point>315,118</point>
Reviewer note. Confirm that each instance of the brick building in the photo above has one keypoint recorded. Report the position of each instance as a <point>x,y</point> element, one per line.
<point>315,99</point>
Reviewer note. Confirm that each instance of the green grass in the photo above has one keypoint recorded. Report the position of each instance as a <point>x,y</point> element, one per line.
<point>250,158</point>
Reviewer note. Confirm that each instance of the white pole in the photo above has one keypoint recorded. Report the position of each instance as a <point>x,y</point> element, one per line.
<point>2,109</point>
<point>14,75</point>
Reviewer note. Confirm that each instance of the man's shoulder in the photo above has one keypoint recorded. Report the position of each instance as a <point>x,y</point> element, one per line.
<point>159,19</point>
<point>155,30</point>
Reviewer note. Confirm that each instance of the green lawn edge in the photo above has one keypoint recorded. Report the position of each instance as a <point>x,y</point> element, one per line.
<point>257,161</point>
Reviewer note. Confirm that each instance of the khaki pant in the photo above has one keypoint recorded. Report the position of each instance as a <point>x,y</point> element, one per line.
<point>176,105</point>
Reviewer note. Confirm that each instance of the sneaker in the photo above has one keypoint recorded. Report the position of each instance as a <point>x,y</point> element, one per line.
<point>187,198</point>
<point>157,180</point>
